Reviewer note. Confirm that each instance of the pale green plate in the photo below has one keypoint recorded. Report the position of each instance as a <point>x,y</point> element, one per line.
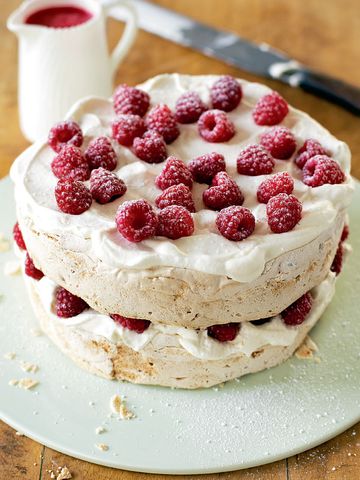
<point>259,419</point>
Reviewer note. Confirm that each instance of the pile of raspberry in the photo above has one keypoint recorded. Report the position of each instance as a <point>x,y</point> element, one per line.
<point>138,220</point>
<point>148,129</point>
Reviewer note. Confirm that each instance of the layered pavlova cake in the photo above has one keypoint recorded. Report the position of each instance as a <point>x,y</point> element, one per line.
<point>184,233</point>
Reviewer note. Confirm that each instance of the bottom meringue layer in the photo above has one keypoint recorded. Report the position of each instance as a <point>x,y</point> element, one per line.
<point>196,342</point>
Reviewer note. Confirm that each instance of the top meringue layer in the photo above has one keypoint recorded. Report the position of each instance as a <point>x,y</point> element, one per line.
<point>94,233</point>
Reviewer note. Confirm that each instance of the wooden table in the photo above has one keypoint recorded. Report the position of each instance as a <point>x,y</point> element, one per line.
<point>323,35</point>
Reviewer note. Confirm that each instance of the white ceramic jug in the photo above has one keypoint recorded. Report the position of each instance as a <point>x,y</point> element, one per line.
<point>57,66</point>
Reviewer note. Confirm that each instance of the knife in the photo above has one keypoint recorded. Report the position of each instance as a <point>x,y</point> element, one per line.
<point>261,60</point>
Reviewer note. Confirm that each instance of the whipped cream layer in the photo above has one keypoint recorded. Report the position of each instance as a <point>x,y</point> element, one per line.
<point>196,342</point>
<point>94,233</point>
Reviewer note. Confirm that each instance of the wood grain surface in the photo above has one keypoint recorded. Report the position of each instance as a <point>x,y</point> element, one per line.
<point>323,34</point>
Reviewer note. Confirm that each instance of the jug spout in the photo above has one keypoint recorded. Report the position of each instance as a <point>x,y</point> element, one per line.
<point>16,21</point>
<point>13,23</point>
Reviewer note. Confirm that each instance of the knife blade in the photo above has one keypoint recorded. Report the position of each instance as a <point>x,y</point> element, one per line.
<point>262,59</point>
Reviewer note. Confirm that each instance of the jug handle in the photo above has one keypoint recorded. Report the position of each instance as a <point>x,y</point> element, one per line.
<point>129,34</point>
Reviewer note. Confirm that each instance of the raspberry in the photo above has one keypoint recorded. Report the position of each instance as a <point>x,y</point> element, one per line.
<point>100,153</point>
<point>223,193</point>
<point>72,197</point>
<point>345,233</point>
<point>205,167</point>
<point>18,237</point>
<point>174,172</point>
<point>271,109</point>
<point>176,195</point>
<point>336,265</point>
<point>130,100</point>
<point>254,160</point>
<point>175,222</point>
<point>308,150</point>
<point>70,164</point>
<point>136,220</point>
<point>278,183</point>
<point>235,223</point>
<point>65,133</point>
<point>125,128</point>
<point>261,321</point>
<point>105,186</point>
<point>297,312</point>
<point>279,141</point>
<point>225,332</point>
<point>68,305</point>
<point>134,324</point>
<point>320,170</point>
<point>31,270</point>
<point>283,212</point>
<point>151,148</point>
<point>189,107</point>
<point>162,120</point>
<point>226,93</point>
<point>214,126</point>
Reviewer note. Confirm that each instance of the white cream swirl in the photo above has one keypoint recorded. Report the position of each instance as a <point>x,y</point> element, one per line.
<point>94,234</point>
<point>196,342</point>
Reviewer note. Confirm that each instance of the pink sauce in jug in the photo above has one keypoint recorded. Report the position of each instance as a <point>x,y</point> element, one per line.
<point>59,16</point>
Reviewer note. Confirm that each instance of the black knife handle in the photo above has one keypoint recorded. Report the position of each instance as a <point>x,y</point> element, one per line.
<point>336,91</point>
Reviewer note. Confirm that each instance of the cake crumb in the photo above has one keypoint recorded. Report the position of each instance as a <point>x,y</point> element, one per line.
<point>126,414</point>
<point>13,382</point>
<point>26,383</point>
<point>64,474</point>
<point>19,434</point>
<point>100,430</point>
<point>4,244</point>
<point>12,268</point>
<point>118,406</point>
<point>59,473</point>
<point>9,355</point>
<point>102,446</point>
<point>115,403</point>
<point>29,367</point>
<point>306,349</point>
